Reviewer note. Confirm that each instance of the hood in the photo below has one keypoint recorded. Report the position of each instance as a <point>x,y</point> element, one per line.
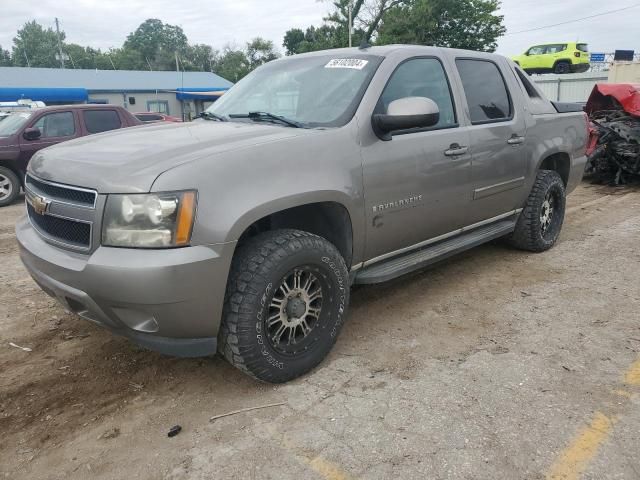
<point>627,96</point>
<point>129,160</point>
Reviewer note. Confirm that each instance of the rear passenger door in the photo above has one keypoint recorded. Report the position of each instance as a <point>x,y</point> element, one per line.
<point>497,137</point>
<point>97,121</point>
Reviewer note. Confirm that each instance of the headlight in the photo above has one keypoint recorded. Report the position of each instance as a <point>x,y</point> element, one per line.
<point>149,220</point>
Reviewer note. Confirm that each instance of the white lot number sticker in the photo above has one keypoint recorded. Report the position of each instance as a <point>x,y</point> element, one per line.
<point>354,63</point>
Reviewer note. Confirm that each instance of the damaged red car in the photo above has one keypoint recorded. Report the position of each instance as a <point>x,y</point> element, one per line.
<point>614,141</point>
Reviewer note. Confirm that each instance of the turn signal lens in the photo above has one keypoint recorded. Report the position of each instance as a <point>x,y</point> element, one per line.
<point>185,218</point>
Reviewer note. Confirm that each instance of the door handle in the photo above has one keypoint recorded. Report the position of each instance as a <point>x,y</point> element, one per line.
<point>516,140</point>
<point>455,150</point>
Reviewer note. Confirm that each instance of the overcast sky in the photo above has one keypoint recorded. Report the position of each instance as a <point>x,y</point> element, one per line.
<point>106,23</point>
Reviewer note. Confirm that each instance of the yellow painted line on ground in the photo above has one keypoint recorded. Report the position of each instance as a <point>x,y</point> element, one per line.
<point>632,377</point>
<point>327,469</point>
<point>623,393</point>
<point>576,457</point>
<point>320,465</point>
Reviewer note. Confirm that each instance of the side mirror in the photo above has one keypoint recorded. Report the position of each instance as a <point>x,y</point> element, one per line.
<point>32,133</point>
<point>406,113</point>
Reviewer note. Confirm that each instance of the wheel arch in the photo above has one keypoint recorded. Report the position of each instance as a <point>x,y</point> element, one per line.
<point>559,162</point>
<point>12,165</point>
<point>566,60</point>
<point>325,217</point>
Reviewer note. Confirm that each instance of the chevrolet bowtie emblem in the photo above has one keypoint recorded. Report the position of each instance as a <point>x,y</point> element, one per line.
<point>39,204</point>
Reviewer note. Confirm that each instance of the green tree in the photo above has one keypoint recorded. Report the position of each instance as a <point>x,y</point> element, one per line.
<point>158,43</point>
<point>260,51</point>
<point>467,24</point>
<point>200,57</point>
<point>292,40</point>
<point>366,16</point>
<point>35,46</point>
<point>5,58</point>
<point>232,64</point>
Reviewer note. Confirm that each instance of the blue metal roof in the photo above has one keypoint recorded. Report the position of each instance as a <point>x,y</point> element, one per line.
<point>108,80</point>
<point>44,94</point>
<point>192,93</point>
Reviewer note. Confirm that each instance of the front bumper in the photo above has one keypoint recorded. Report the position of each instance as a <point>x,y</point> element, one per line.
<point>165,300</point>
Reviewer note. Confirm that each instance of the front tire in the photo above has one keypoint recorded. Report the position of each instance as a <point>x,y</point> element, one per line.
<point>9,186</point>
<point>286,301</point>
<point>540,222</point>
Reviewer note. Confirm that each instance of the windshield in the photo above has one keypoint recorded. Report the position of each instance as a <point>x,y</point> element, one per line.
<point>314,91</point>
<point>13,123</point>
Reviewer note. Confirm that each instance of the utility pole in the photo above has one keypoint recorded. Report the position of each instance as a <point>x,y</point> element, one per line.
<point>350,22</point>
<point>59,44</point>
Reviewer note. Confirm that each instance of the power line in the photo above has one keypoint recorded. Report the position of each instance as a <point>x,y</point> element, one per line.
<point>573,21</point>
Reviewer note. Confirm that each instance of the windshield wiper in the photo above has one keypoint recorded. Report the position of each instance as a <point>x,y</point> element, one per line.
<point>268,116</point>
<point>213,116</point>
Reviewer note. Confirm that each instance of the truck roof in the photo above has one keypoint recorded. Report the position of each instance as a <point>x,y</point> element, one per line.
<point>386,50</point>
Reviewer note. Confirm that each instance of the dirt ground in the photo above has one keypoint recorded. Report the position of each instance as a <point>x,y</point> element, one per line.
<point>496,364</point>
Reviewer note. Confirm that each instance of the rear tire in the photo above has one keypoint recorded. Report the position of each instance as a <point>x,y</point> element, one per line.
<point>285,304</point>
<point>9,186</point>
<point>562,67</point>
<point>540,222</point>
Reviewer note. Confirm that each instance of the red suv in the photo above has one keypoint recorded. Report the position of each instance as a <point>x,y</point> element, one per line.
<point>24,133</point>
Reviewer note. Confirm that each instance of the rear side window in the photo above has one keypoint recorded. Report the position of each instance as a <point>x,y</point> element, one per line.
<point>556,48</point>
<point>528,86</point>
<point>485,90</point>
<point>59,124</point>
<point>98,121</point>
<point>421,77</point>
<point>583,47</point>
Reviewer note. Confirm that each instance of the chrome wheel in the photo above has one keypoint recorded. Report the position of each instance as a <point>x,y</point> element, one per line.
<point>546,212</point>
<point>294,312</point>
<point>6,187</point>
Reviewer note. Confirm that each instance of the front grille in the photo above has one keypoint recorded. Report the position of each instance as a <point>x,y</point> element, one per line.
<point>64,194</point>
<point>70,232</point>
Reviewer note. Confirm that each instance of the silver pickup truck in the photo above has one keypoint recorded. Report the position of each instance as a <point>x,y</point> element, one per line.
<point>243,231</point>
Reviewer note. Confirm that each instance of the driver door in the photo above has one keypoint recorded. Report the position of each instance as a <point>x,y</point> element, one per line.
<point>55,127</point>
<point>416,185</point>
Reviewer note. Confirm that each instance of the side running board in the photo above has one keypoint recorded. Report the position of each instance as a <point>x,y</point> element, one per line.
<point>417,259</point>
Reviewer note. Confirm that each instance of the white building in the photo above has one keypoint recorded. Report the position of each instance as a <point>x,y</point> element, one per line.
<point>180,94</point>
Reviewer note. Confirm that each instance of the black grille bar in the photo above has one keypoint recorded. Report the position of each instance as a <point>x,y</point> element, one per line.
<point>64,194</point>
<point>70,232</point>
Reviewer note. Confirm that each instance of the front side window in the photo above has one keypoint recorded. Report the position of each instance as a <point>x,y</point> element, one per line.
<point>98,121</point>
<point>313,91</point>
<point>486,92</point>
<point>421,77</point>
<point>538,50</point>
<point>13,122</point>
<point>58,124</point>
